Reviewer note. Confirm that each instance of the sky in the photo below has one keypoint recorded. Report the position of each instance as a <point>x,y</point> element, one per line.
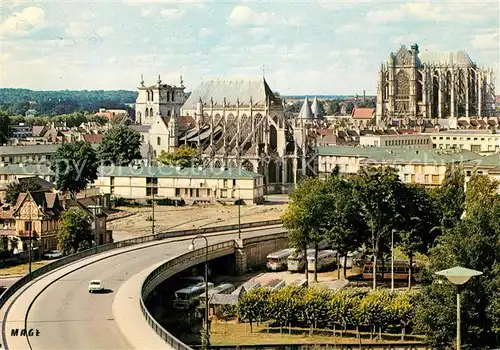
<point>302,47</point>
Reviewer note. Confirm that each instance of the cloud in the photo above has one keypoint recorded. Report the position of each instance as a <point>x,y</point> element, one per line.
<point>104,31</point>
<point>258,31</point>
<point>23,23</point>
<point>486,41</point>
<point>172,13</point>
<point>77,29</point>
<point>205,32</point>
<point>428,11</point>
<point>244,15</point>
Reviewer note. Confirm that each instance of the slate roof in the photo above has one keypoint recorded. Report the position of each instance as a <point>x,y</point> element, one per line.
<point>44,184</point>
<point>47,202</point>
<point>460,58</point>
<point>230,90</point>
<point>316,109</point>
<point>305,111</point>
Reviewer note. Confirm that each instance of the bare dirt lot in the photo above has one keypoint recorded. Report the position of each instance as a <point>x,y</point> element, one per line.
<point>178,218</point>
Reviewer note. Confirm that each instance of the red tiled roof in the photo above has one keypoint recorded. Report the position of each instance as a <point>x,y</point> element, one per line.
<point>363,113</point>
<point>93,138</point>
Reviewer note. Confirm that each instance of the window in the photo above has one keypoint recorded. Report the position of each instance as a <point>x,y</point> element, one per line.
<point>27,226</point>
<point>224,183</point>
<point>435,179</point>
<point>158,141</point>
<point>177,192</point>
<point>112,181</point>
<point>223,193</point>
<point>426,179</point>
<point>151,191</point>
<point>234,182</point>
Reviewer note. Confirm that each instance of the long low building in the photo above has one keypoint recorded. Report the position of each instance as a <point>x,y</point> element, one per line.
<point>414,165</point>
<point>193,185</point>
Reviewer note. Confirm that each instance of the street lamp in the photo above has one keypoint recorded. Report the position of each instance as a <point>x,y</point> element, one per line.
<point>239,212</point>
<point>392,260</point>
<point>191,247</point>
<point>458,275</point>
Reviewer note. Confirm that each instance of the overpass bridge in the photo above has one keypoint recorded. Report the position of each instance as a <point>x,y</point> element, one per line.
<point>58,307</point>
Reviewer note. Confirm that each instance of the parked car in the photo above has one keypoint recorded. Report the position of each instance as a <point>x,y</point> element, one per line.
<point>53,254</point>
<point>96,286</point>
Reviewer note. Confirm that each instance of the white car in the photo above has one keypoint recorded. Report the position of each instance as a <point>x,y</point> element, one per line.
<point>95,286</point>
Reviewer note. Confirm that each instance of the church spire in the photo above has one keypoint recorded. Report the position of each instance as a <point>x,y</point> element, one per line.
<point>142,80</point>
<point>159,79</point>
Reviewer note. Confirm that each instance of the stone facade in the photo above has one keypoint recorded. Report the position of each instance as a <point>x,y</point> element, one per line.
<point>158,100</point>
<point>423,86</point>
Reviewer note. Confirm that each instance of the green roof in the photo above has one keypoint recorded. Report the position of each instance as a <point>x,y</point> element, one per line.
<point>32,149</point>
<point>492,160</point>
<point>125,171</point>
<point>395,155</point>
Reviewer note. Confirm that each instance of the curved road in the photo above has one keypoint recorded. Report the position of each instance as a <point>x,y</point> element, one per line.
<point>69,317</point>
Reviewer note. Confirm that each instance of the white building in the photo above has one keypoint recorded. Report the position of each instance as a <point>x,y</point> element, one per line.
<point>479,141</point>
<point>417,140</point>
<point>203,185</point>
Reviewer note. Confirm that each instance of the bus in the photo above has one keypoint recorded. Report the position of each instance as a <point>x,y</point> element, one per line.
<point>296,262</point>
<point>275,284</point>
<point>224,288</point>
<point>277,261</point>
<point>299,283</point>
<point>186,297</point>
<point>326,258</point>
<point>249,285</point>
<point>401,270</point>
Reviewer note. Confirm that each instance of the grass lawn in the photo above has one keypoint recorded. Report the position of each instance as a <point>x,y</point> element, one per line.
<point>22,269</point>
<point>230,332</point>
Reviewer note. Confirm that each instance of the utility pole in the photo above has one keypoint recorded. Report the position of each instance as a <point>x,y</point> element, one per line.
<point>239,213</point>
<point>153,214</point>
<point>29,247</point>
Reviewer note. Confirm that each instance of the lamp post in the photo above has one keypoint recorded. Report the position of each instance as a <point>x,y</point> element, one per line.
<point>191,247</point>
<point>153,209</point>
<point>239,213</point>
<point>458,275</point>
<point>392,260</point>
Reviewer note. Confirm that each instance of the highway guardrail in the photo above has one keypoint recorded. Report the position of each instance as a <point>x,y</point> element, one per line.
<point>152,281</point>
<point>121,244</point>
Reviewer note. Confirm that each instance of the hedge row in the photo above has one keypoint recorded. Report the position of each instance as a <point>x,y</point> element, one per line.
<point>326,309</point>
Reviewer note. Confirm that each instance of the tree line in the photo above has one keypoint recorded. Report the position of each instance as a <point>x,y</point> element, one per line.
<point>348,309</point>
<point>18,101</point>
<point>451,225</point>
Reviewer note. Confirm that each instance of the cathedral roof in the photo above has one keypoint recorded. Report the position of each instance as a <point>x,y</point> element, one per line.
<point>305,111</point>
<point>233,91</point>
<point>460,58</point>
<point>316,110</point>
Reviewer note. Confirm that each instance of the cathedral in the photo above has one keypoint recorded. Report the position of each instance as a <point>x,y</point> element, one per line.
<point>236,124</point>
<point>418,87</point>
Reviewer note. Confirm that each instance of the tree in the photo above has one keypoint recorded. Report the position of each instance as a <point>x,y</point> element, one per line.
<point>333,107</point>
<point>183,156</point>
<point>349,107</point>
<point>451,196</point>
<point>74,233</point>
<point>305,216</point>
<point>474,242</point>
<point>377,190</point>
<point>418,215</point>
<point>74,166</point>
<point>15,188</point>
<point>345,231</point>
<point>120,146</point>
<point>4,127</point>
<point>120,119</point>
